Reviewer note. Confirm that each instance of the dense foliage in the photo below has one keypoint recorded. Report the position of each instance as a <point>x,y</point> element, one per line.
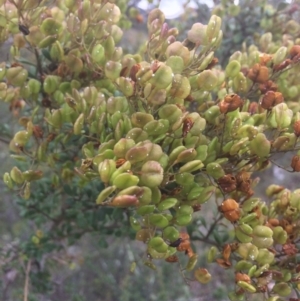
<point>141,144</point>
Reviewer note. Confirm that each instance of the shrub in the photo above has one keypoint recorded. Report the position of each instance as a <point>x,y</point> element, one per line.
<point>139,144</point>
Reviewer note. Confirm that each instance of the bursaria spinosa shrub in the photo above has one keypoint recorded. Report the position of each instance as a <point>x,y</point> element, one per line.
<point>153,139</point>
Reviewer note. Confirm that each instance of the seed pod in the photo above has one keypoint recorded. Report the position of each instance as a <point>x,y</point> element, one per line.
<point>163,77</point>
<point>112,70</point>
<point>126,86</point>
<point>78,125</point>
<point>213,28</point>
<point>170,112</point>
<point>98,54</point>
<point>145,209</point>
<point>192,262</point>
<point>17,175</point>
<point>7,180</point>
<point>21,138</point>
<point>233,68</point>
<point>191,166</point>
<point>151,174</point>
<point>207,80</point>
<point>242,237</point>
<point>124,201</point>
<point>104,194</point>
<point>248,251</point>
<point>246,286</point>
<point>202,275</point>
<point>124,180</point>
<point>183,220</point>
<point>260,145</point>
<point>282,289</point>
<point>265,257</point>
<point>230,103</point>
<point>167,204</point>
<point>215,170</point>
<point>279,235</point>
<point>32,175</point>
<point>16,76</point>
<point>178,49</point>
<point>211,254</point>
<point>295,164</point>
<point>158,244</point>
<point>170,233</point>
<point>158,220</point>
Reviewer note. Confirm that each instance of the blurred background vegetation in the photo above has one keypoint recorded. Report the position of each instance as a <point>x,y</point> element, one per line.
<point>99,266</point>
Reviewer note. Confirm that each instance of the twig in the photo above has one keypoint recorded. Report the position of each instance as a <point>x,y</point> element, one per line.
<point>26,285</point>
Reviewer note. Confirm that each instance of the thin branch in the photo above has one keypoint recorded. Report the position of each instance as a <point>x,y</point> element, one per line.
<point>4,140</point>
<point>26,285</point>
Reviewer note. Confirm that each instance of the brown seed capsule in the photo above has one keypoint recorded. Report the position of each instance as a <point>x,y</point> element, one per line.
<point>253,108</point>
<point>274,222</point>
<point>223,263</point>
<point>289,249</point>
<point>133,71</point>
<point>294,51</point>
<point>228,205</point>
<point>172,258</point>
<point>226,251</point>
<point>264,59</point>
<point>230,103</point>
<point>258,73</point>
<point>242,277</point>
<point>187,125</point>
<point>184,246</point>
<point>37,131</point>
<point>267,86</point>
<point>268,100</point>
<point>233,215</point>
<point>227,183</point>
<point>295,164</point>
<point>297,128</point>
<point>189,252</point>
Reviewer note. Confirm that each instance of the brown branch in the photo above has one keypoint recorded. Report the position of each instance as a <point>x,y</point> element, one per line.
<point>26,285</point>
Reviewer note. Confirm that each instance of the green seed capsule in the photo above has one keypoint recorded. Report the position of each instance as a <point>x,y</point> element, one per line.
<point>167,204</point>
<point>170,233</point>
<point>145,209</point>
<point>105,193</point>
<point>246,286</point>
<point>158,220</point>
<point>192,262</point>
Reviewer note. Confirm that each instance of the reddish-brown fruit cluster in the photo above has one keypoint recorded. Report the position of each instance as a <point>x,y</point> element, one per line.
<point>267,86</point>
<point>297,128</point>
<point>295,52</point>
<point>230,103</point>
<point>264,59</point>
<point>37,131</point>
<point>289,249</point>
<point>253,108</point>
<point>132,72</point>
<point>295,164</point>
<point>242,277</point>
<point>271,99</point>
<point>227,183</point>
<point>230,209</point>
<point>196,207</point>
<point>258,74</point>
<point>243,183</point>
<point>185,245</point>
<point>290,228</point>
<point>187,125</point>
<point>224,262</point>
